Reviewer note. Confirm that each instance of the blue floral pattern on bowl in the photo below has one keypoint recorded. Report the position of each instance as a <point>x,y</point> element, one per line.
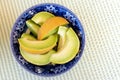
<point>20,27</point>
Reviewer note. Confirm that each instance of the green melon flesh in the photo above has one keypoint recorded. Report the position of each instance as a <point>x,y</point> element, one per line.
<point>51,40</point>
<point>37,59</point>
<point>38,47</point>
<point>41,17</point>
<point>62,37</point>
<point>33,27</point>
<point>69,49</point>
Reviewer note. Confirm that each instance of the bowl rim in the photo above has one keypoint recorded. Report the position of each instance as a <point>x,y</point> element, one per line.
<point>44,4</point>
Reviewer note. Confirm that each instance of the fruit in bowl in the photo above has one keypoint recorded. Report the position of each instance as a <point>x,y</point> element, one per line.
<point>37,50</point>
<point>48,38</point>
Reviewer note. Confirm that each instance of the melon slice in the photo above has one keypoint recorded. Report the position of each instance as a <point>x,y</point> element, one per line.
<point>62,37</point>
<point>50,25</point>
<point>41,17</point>
<point>68,50</point>
<point>33,27</point>
<point>37,59</point>
<point>38,47</point>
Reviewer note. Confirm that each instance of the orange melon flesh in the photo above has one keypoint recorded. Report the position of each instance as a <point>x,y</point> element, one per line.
<point>50,25</point>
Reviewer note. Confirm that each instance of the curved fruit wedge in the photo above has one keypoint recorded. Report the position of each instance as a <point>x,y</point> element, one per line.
<point>62,37</point>
<point>69,49</point>
<point>37,59</point>
<point>50,25</point>
<point>38,47</point>
<point>33,27</point>
<point>41,17</point>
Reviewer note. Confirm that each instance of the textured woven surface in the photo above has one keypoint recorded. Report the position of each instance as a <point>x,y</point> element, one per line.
<point>101,56</point>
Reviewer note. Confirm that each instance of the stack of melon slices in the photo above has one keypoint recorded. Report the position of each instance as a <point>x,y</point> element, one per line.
<point>51,41</point>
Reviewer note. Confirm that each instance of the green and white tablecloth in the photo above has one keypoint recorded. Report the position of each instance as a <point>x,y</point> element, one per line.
<point>101,56</point>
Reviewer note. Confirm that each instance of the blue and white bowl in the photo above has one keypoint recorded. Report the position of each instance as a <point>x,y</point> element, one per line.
<point>20,27</point>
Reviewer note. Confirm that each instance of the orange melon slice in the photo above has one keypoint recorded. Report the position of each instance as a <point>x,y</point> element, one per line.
<point>50,25</point>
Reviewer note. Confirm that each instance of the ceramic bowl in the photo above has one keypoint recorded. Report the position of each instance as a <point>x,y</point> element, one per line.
<point>20,27</point>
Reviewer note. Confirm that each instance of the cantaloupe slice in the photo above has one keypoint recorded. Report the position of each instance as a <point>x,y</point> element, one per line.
<point>50,25</point>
